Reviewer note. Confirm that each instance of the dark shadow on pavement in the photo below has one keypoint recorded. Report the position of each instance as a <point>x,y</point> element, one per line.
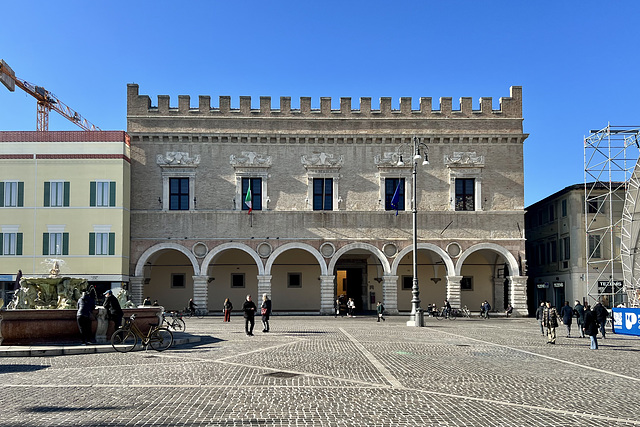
<point>12,369</point>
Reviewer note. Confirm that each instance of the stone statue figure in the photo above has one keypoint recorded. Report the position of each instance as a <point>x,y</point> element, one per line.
<point>123,299</point>
<point>55,269</point>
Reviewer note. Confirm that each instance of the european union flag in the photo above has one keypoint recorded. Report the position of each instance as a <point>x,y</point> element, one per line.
<point>395,200</point>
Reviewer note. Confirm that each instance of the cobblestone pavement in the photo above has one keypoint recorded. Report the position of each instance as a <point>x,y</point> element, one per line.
<point>323,371</point>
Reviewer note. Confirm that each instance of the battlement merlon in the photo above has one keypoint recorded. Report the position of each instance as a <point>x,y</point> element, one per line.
<point>510,107</point>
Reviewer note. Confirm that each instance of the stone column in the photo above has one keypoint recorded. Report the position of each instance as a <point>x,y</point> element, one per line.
<point>264,287</point>
<point>390,294</point>
<point>201,292</point>
<point>518,295</point>
<point>327,293</point>
<point>136,289</point>
<point>453,291</point>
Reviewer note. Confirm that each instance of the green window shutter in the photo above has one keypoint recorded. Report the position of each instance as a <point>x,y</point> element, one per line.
<point>65,200</point>
<point>20,194</point>
<point>65,243</point>
<point>92,193</point>
<point>19,244</point>
<point>92,243</point>
<point>1,194</point>
<point>45,244</point>
<point>112,193</point>
<point>1,245</point>
<point>112,243</point>
<point>47,194</point>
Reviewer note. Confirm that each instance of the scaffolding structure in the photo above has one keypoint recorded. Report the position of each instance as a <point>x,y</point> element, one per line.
<point>610,159</point>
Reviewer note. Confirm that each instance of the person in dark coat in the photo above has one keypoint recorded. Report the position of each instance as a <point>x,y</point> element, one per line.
<point>566,312</point>
<point>249,308</point>
<point>591,326</point>
<point>265,310</point>
<point>578,310</point>
<point>227,307</point>
<point>601,316</point>
<point>86,305</point>
<point>539,314</point>
<point>550,321</point>
<point>114,312</point>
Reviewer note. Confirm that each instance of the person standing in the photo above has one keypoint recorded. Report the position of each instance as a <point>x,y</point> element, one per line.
<point>249,308</point>
<point>578,310</point>
<point>265,311</point>
<point>486,307</point>
<point>601,316</point>
<point>539,314</point>
<point>86,305</point>
<point>114,312</point>
<point>550,321</point>
<point>446,309</point>
<point>227,307</point>
<point>591,326</point>
<point>566,313</point>
<point>380,310</point>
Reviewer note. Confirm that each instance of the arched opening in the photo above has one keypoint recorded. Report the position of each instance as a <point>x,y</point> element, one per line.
<point>168,279</point>
<point>359,275</point>
<point>295,281</point>
<point>233,274</point>
<point>432,279</point>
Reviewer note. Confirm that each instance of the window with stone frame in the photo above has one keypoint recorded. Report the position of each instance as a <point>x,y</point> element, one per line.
<point>465,175</point>
<point>465,194</point>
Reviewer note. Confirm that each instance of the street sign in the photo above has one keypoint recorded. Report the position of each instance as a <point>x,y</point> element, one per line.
<point>626,321</point>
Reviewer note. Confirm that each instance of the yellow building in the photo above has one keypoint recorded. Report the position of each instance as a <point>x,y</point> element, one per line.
<point>65,196</point>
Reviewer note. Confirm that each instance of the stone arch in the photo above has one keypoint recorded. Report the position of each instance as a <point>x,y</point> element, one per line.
<point>163,246</point>
<point>288,246</point>
<point>233,245</point>
<point>511,260</point>
<point>428,246</point>
<point>366,246</point>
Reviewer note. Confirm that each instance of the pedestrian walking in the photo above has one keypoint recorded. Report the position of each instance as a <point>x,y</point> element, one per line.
<point>112,306</point>
<point>249,309</point>
<point>578,310</point>
<point>446,309</point>
<point>486,307</point>
<point>591,326</point>
<point>601,316</point>
<point>336,307</point>
<point>351,307</point>
<point>380,310</point>
<point>265,311</point>
<point>550,321</point>
<point>566,313</point>
<point>539,315</point>
<point>226,308</point>
<point>86,305</point>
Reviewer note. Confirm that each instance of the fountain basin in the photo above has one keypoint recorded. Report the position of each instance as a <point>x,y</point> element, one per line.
<point>26,327</point>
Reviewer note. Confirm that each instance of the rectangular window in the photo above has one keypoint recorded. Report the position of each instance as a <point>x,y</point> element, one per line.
<point>542,257</point>
<point>407,283</point>
<point>179,194</point>
<point>56,193</point>
<point>55,244</point>
<point>465,194</point>
<point>102,193</point>
<point>11,194</point>
<point>102,243</point>
<point>566,249</point>
<point>294,280</point>
<point>237,280</point>
<point>256,193</point>
<point>391,185</point>
<point>552,213</point>
<point>540,218</point>
<point>593,206</point>
<point>10,243</point>
<point>553,251</point>
<point>466,283</point>
<point>564,208</point>
<point>322,194</point>
<point>177,280</point>
<point>594,246</point>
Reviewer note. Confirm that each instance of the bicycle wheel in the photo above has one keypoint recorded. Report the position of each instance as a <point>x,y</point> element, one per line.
<point>453,314</point>
<point>161,339</point>
<point>438,316</point>
<point>179,325</point>
<point>200,313</point>
<point>123,340</point>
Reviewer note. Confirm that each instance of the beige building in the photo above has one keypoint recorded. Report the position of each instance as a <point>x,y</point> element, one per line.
<point>565,263</point>
<point>65,196</point>
<point>321,182</point>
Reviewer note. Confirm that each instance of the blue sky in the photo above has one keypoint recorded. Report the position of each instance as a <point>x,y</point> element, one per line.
<point>577,61</point>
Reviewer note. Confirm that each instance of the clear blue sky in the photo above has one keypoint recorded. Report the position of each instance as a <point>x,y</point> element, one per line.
<point>577,61</point>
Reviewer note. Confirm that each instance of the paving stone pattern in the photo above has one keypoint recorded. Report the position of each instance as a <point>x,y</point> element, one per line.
<point>325,371</point>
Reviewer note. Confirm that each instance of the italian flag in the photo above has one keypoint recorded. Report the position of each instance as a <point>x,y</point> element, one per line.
<point>247,199</point>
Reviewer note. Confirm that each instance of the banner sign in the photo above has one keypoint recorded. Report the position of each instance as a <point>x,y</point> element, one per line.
<point>626,321</point>
<point>610,287</point>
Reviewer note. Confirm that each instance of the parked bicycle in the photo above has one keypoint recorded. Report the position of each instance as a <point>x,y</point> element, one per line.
<point>446,314</point>
<point>126,338</point>
<point>173,321</point>
<point>198,312</point>
<point>465,312</point>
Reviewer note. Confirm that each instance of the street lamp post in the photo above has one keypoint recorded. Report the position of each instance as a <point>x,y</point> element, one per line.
<point>416,311</point>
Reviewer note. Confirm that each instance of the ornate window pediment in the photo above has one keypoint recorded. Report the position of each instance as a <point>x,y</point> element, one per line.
<point>250,164</point>
<point>462,159</point>
<point>178,164</point>
<point>178,158</point>
<point>320,165</point>
<point>250,159</point>
<point>467,166</point>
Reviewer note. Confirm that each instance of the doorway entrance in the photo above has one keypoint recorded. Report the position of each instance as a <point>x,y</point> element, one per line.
<point>351,283</point>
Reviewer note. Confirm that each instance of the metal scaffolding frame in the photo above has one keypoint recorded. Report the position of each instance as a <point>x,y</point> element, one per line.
<point>610,158</point>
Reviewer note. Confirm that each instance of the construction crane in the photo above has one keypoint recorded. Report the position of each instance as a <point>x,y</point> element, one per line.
<point>47,101</point>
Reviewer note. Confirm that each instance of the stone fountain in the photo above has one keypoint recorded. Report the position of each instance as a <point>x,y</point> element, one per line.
<point>44,310</point>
